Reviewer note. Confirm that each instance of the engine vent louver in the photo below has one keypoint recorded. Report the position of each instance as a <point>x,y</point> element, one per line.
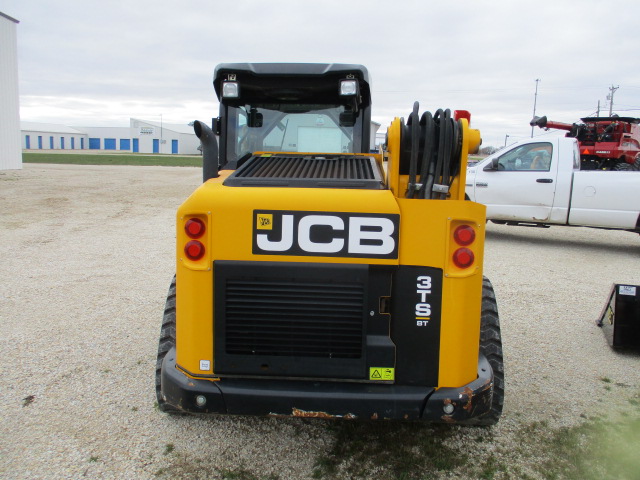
<point>301,319</point>
<point>330,171</point>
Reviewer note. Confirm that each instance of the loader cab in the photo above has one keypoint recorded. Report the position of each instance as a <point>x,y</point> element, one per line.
<point>291,108</point>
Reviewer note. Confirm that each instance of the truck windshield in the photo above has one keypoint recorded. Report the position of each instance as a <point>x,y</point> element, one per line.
<point>289,128</point>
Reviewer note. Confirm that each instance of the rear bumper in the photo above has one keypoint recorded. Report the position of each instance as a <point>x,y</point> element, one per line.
<point>244,396</point>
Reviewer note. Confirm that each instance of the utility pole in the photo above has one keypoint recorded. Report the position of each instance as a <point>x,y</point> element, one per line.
<point>612,89</point>
<point>598,111</point>
<point>535,101</point>
<point>505,140</point>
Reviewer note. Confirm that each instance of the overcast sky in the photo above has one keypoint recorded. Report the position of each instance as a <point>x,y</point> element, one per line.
<point>94,63</point>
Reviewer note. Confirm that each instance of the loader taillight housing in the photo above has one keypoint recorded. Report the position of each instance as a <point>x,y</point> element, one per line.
<point>194,228</point>
<point>462,247</point>
<point>463,257</point>
<point>464,235</point>
<point>194,250</point>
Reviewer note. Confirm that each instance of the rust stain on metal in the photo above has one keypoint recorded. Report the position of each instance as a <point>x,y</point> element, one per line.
<point>447,419</point>
<point>468,406</point>
<point>296,412</point>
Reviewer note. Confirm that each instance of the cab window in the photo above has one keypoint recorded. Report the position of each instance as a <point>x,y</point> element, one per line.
<point>533,157</point>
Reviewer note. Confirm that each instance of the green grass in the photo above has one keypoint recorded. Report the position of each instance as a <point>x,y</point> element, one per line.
<point>113,159</point>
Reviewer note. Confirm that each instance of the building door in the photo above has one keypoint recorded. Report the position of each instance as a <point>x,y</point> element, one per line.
<point>73,143</point>
<point>136,145</point>
<point>94,144</point>
<point>174,146</point>
<point>125,144</point>
<point>27,141</point>
<point>156,145</point>
<point>40,142</point>
<point>51,143</point>
<point>81,143</point>
<point>62,143</point>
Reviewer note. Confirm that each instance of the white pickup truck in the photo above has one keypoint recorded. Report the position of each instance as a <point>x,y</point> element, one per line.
<point>539,182</point>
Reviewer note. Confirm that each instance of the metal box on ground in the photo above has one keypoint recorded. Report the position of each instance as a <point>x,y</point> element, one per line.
<point>620,318</point>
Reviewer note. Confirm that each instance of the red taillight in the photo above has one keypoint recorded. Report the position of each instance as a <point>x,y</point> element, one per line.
<point>464,235</point>
<point>194,228</point>
<point>194,250</point>
<point>463,258</point>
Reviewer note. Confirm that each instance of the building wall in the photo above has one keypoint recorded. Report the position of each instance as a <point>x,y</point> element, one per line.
<point>152,137</point>
<point>50,140</point>
<point>10,152</point>
<point>107,138</point>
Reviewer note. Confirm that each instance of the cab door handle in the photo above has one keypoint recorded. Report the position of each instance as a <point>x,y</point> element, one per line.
<point>544,180</point>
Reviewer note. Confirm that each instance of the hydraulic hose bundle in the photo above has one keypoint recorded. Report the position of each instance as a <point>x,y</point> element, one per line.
<point>430,153</point>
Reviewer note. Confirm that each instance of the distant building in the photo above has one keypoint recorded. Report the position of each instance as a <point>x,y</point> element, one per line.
<point>50,136</point>
<point>10,152</point>
<point>142,136</point>
<point>154,137</point>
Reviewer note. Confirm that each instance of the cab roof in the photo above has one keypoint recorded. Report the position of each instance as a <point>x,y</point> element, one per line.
<point>296,73</point>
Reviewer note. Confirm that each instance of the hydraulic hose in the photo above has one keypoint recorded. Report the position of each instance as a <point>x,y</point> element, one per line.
<point>431,148</point>
<point>414,124</point>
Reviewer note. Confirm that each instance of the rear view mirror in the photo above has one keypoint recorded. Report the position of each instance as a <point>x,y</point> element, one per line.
<point>255,119</point>
<point>347,119</point>
<point>492,166</point>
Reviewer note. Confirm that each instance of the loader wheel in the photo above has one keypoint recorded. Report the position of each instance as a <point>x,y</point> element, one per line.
<point>491,348</point>
<point>166,343</point>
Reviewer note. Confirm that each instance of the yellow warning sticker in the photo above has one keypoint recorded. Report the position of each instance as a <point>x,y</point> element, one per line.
<point>381,373</point>
<point>264,221</point>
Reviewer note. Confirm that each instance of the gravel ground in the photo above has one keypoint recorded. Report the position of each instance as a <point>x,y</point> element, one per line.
<point>87,257</point>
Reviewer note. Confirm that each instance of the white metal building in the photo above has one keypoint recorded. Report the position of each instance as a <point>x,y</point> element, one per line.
<point>50,136</point>
<point>10,152</point>
<point>159,137</point>
<point>107,138</point>
<point>142,136</point>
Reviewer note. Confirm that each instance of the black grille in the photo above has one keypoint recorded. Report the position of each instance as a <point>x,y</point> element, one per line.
<point>290,319</point>
<point>337,171</point>
<point>301,319</point>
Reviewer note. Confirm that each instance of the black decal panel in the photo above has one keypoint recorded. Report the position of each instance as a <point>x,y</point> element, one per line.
<point>415,326</point>
<point>325,234</point>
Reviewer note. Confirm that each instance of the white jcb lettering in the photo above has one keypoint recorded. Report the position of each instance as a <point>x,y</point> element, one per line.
<point>304,234</point>
<point>322,234</point>
<point>286,241</point>
<point>383,242</point>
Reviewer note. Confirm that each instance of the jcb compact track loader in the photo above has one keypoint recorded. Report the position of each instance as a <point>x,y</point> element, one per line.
<point>312,282</point>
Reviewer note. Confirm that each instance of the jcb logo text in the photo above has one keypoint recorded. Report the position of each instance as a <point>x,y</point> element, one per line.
<point>325,234</point>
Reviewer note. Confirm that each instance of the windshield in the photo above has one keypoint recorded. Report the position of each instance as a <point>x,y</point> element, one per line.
<point>290,128</point>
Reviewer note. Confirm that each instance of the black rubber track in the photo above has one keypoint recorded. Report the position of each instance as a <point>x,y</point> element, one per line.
<point>491,348</point>
<point>166,343</point>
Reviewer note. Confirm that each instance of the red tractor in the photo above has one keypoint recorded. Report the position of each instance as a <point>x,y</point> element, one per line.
<point>606,143</point>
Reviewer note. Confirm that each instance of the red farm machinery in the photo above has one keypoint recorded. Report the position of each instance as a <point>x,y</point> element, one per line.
<point>606,143</point>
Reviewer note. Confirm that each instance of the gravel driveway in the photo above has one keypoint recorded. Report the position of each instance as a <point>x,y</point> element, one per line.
<point>86,259</point>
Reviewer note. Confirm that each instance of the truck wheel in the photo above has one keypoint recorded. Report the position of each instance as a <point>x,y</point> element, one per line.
<point>166,343</point>
<point>491,348</point>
